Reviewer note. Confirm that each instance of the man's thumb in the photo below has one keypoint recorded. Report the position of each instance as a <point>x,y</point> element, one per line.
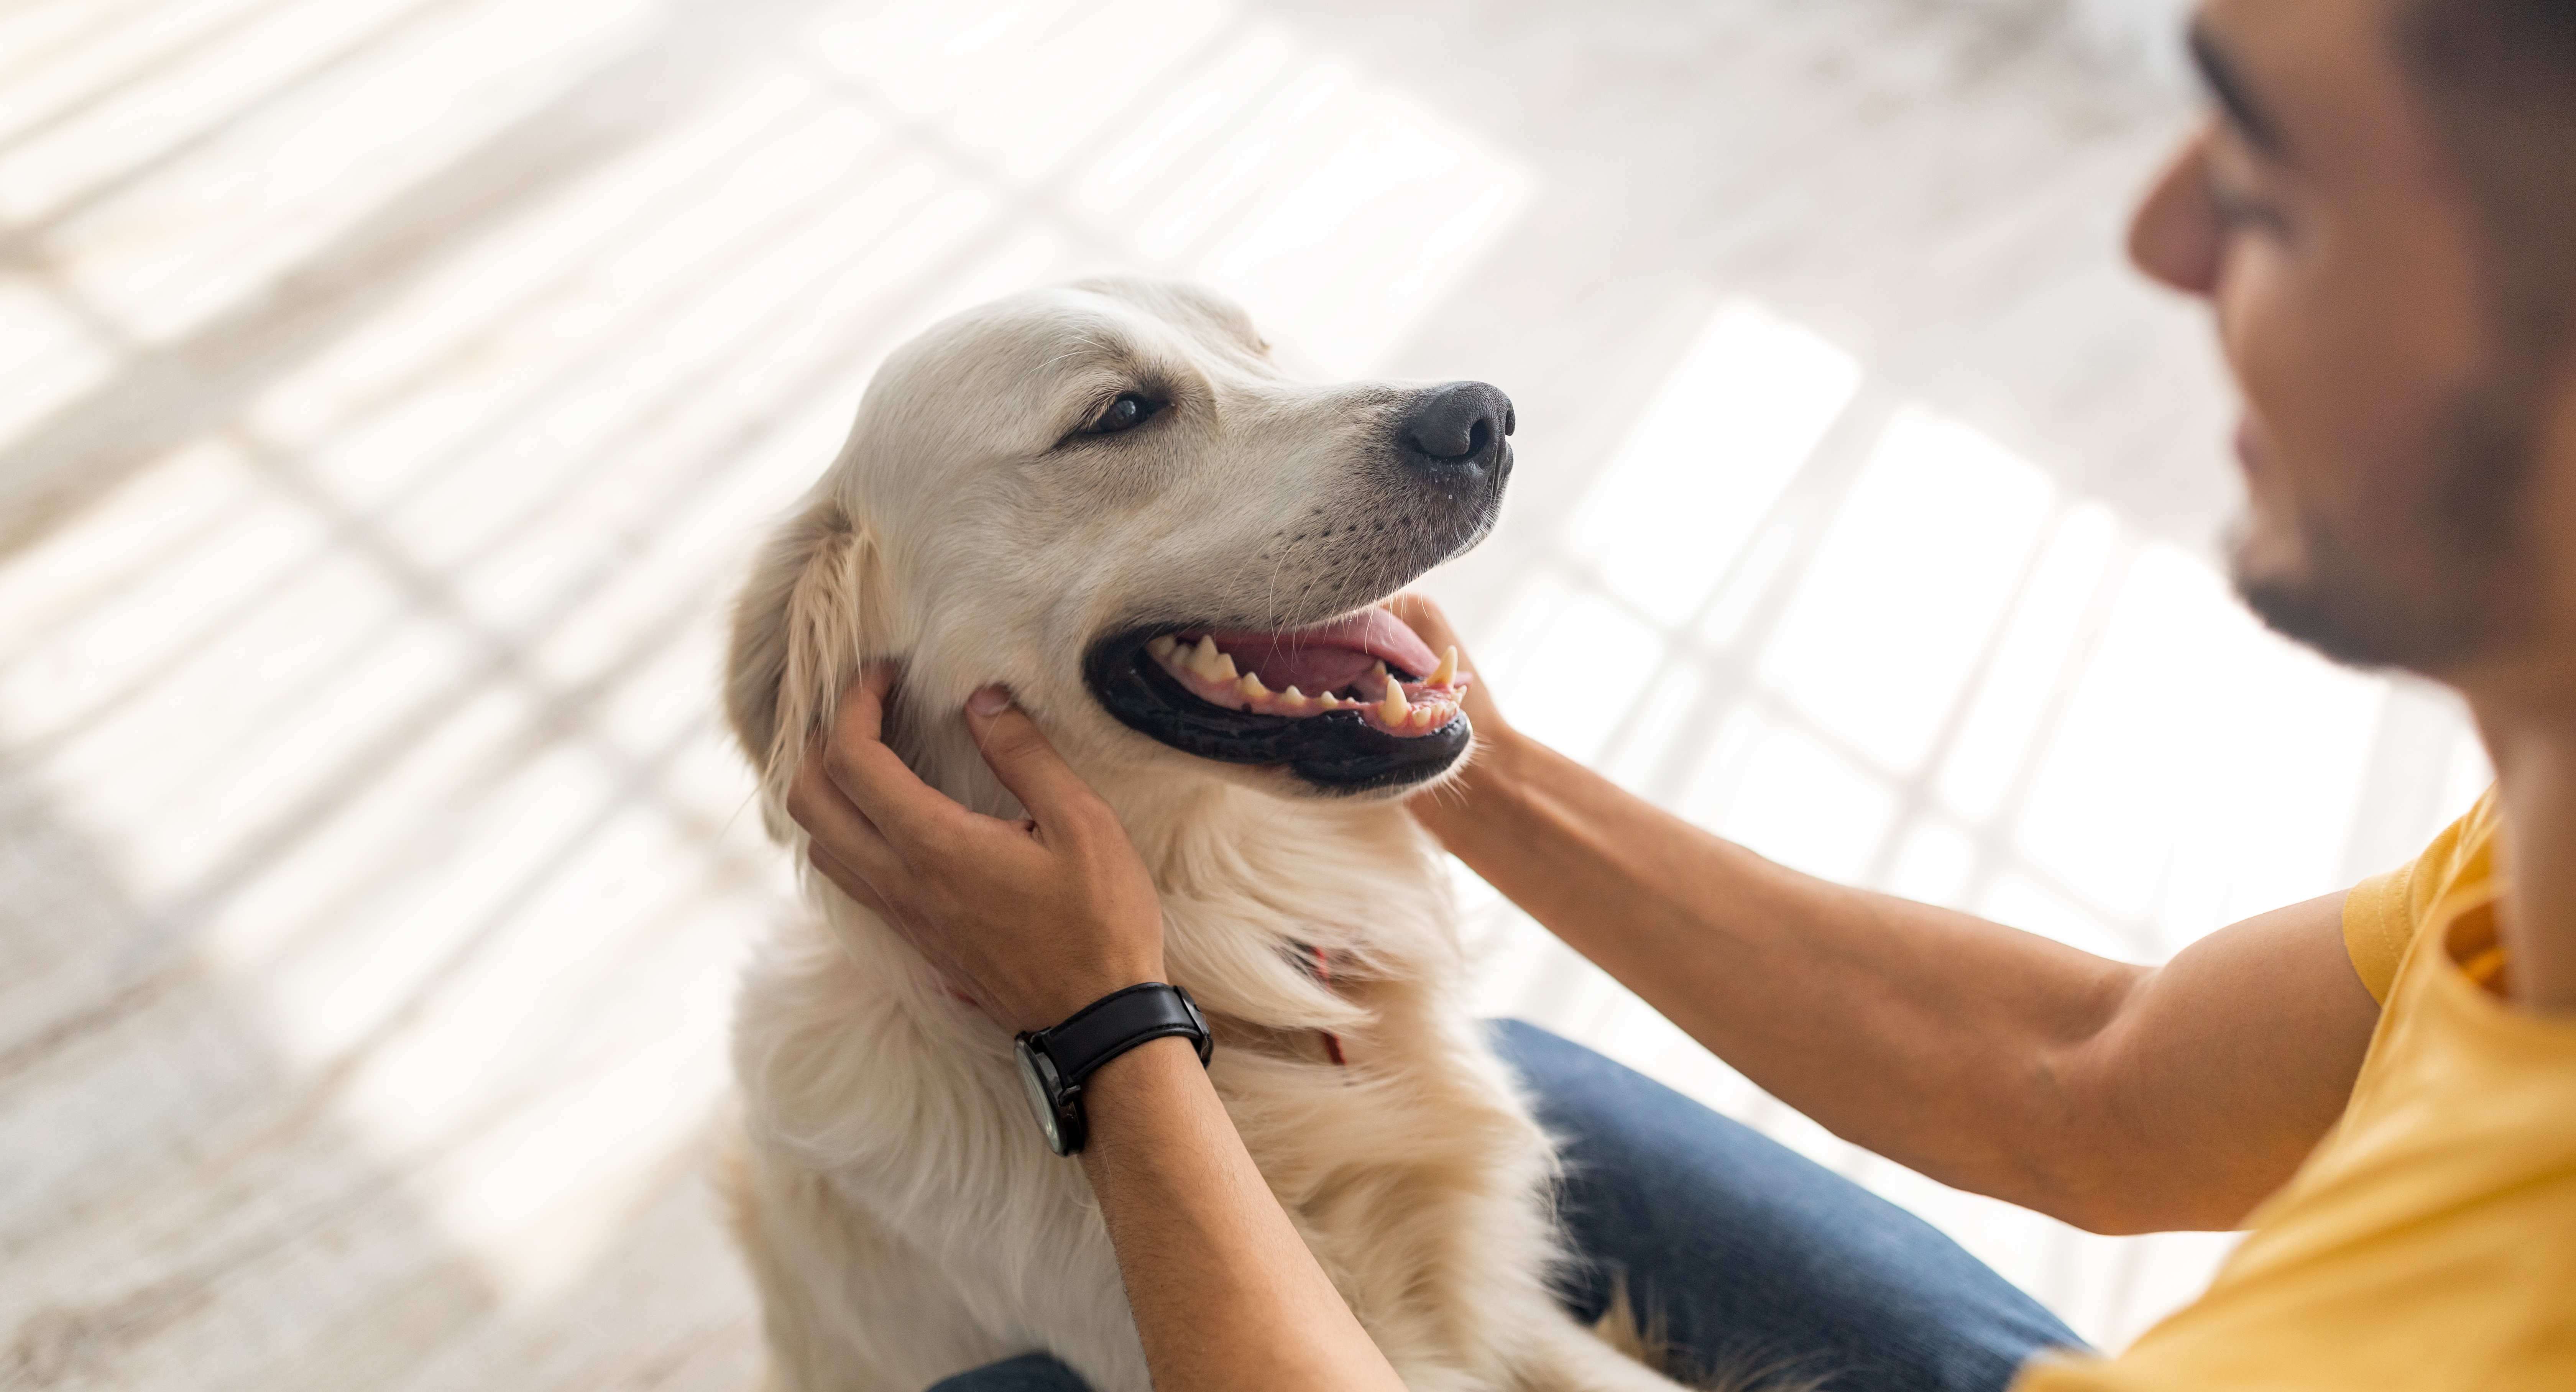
<point>1022,757</point>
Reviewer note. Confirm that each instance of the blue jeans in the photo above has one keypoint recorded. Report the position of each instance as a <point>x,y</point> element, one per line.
<point>1739,1252</point>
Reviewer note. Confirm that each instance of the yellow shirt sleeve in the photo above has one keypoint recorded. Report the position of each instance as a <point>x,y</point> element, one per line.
<point>2423,1246</point>
<point>2377,926</point>
<point>2382,913</point>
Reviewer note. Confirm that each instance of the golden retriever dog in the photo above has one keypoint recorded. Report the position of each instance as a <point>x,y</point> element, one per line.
<point>1106,498</point>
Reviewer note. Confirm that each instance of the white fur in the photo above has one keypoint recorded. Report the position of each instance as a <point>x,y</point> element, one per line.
<point>903,1218</point>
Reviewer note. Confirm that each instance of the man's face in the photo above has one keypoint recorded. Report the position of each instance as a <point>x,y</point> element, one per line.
<point>2390,454</point>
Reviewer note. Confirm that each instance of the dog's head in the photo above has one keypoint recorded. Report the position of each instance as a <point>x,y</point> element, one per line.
<point>1106,498</point>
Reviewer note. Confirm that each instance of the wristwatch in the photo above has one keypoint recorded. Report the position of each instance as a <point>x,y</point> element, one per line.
<point>1054,1062</point>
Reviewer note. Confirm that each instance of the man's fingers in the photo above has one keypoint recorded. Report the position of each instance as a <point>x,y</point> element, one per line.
<point>871,776</point>
<point>850,881</point>
<point>1423,616</point>
<point>861,714</point>
<point>1025,760</point>
<point>840,826</point>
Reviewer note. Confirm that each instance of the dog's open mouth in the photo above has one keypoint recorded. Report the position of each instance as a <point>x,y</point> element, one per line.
<point>1370,663</point>
<point>1358,703</point>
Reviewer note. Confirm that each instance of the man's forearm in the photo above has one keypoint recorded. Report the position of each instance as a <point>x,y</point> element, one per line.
<point>1225,1292</point>
<point>1932,1037</point>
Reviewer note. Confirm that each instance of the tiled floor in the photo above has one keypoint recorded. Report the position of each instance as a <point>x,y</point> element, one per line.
<point>394,386</point>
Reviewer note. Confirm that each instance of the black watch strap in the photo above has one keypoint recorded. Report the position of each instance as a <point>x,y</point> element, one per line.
<point>1118,1022</point>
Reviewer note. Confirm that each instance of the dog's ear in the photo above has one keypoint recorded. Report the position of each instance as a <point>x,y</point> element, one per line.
<point>804,624</point>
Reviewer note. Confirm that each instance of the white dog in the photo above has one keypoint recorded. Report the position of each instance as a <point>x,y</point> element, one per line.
<point>1106,498</point>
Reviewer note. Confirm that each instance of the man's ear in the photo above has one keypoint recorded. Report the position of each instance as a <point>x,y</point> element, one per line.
<point>805,623</point>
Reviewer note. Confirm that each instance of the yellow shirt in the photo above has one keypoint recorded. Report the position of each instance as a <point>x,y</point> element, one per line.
<point>2430,1242</point>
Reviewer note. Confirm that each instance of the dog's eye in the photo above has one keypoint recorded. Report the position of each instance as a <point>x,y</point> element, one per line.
<point>1126,413</point>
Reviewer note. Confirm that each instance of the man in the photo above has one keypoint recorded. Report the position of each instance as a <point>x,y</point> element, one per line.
<point>2381,211</point>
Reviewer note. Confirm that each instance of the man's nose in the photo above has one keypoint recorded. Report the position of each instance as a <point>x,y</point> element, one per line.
<point>2174,235</point>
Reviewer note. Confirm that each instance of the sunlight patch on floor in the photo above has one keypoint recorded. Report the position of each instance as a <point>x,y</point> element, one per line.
<point>1709,453</point>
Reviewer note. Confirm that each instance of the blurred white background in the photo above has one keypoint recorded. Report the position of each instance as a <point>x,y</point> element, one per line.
<point>393,389</point>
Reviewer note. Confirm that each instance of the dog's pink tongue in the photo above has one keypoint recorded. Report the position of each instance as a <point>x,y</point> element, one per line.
<point>1329,656</point>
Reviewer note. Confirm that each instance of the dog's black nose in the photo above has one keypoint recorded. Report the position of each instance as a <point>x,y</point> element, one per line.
<point>1462,423</point>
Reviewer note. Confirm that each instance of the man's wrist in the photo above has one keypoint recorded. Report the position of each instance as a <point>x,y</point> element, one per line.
<point>1058,1063</point>
<point>1501,751</point>
<point>1480,793</point>
<point>1074,995</point>
<point>1126,1096</point>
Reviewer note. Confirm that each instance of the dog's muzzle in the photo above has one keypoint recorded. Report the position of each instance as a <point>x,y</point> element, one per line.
<point>1358,703</point>
<point>1349,707</point>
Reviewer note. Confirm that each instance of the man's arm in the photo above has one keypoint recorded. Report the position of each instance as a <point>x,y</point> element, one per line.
<point>2116,1097</point>
<point>1034,920</point>
<point>1224,1290</point>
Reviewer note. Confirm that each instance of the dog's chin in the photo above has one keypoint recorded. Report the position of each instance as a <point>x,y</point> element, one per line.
<point>1180,685</point>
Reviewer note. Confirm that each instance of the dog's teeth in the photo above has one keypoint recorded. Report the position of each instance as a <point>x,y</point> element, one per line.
<point>1250,688</point>
<point>1162,648</point>
<point>1447,671</point>
<point>1203,660</point>
<point>1393,708</point>
<point>1293,699</point>
<point>1331,701</point>
<point>1224,667</point>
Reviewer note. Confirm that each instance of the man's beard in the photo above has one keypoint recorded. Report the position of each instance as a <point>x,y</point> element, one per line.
<point>2443,571</point>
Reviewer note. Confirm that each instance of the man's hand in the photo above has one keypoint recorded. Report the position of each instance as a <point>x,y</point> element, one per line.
<point>1424,617</point>
<point>1451,808</point>
<point>1036,919</point>
<point>1032,919</point>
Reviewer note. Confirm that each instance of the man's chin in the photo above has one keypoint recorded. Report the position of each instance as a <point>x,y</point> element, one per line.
<point>2343,616</point>
<point>2296,613</point>
<point>2273,575</point>
<point>2430,564</point>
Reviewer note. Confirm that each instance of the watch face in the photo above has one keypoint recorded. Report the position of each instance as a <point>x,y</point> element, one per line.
<point>1033,1082</point>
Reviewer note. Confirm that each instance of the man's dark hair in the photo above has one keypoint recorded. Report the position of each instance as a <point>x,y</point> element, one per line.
<point>2501,79</point>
